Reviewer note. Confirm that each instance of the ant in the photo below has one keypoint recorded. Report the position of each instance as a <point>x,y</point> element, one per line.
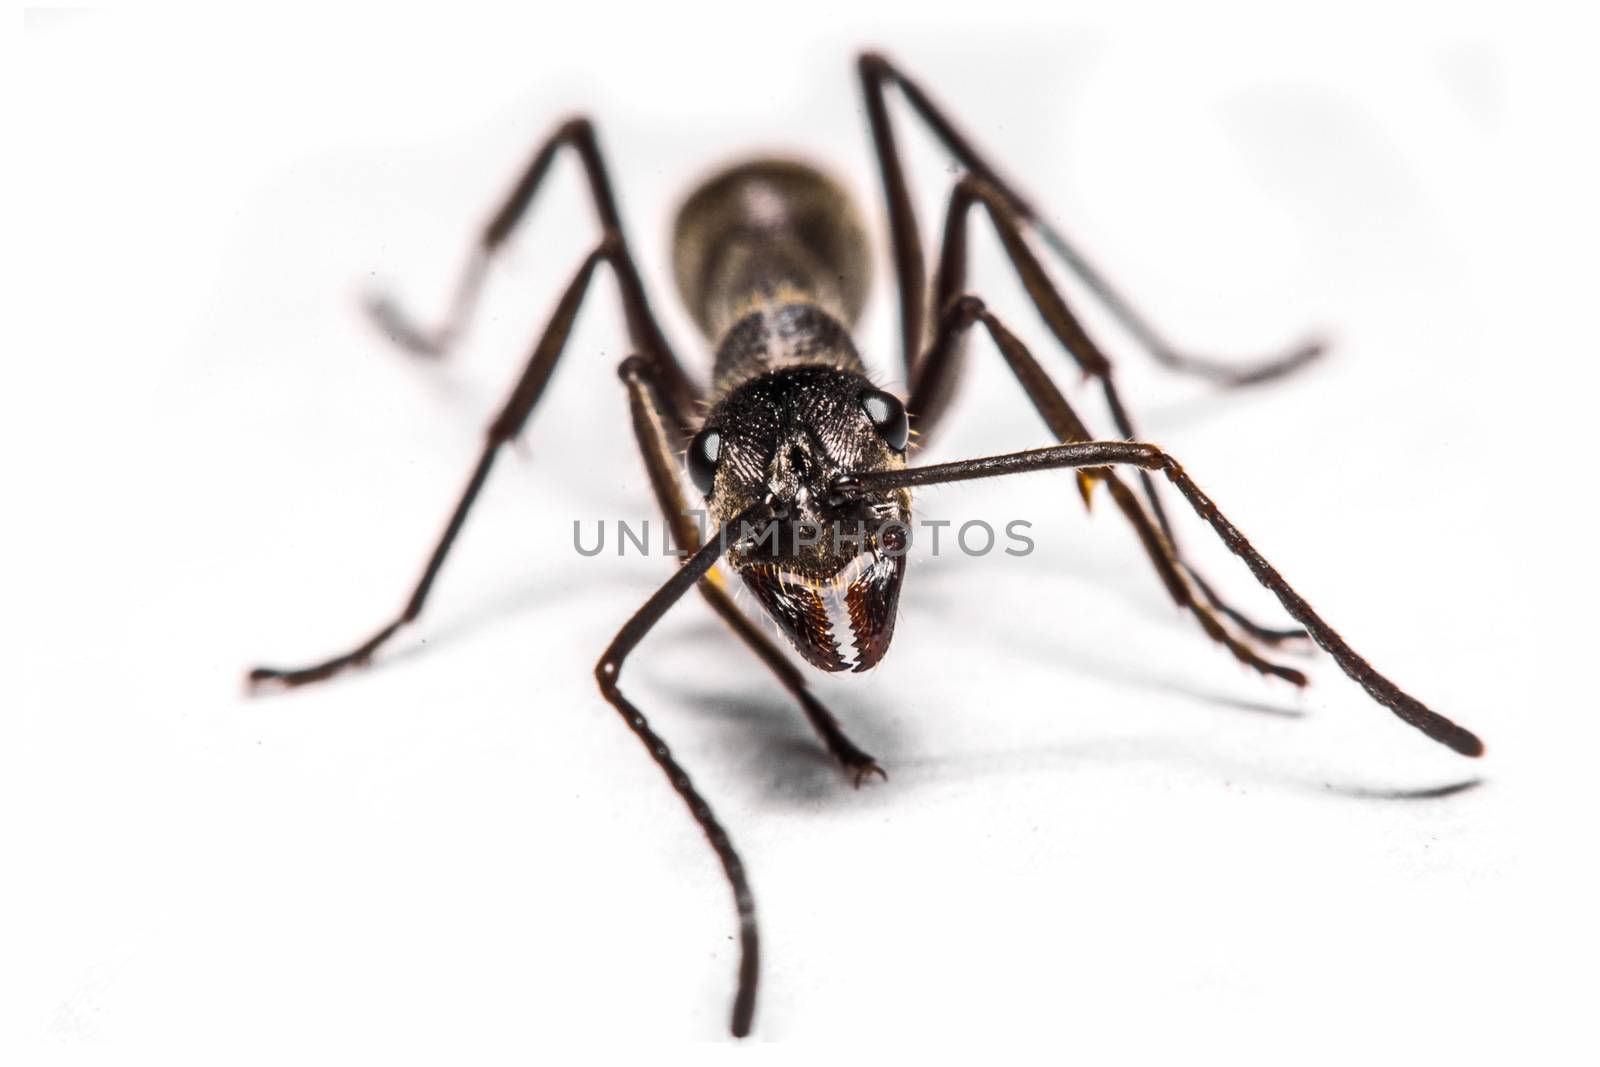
<point>772,260</point>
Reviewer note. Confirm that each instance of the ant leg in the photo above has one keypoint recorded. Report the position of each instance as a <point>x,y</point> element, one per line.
<point>904,241</point>
<point>643,330</point>
<point>506,425</point>
<point>1097,455</point>
<point>646,402</point>
<point>607,672</point>
<point>1064,325</point>
<point>875,72</point>
<point>1065,424</point>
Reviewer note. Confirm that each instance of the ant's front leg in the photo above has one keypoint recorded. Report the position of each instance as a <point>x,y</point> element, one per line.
<point>1099,455</point>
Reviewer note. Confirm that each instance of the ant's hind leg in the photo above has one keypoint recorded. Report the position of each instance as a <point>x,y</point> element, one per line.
<point>876,74</point>
<point>643,331</point>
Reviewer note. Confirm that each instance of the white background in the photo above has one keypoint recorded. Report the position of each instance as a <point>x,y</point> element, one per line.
<point>1101,838</point>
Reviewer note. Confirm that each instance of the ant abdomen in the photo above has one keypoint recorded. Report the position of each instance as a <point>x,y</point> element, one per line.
<point>764,231</point>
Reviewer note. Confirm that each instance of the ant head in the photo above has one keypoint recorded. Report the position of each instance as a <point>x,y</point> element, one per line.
<point>826,568</point>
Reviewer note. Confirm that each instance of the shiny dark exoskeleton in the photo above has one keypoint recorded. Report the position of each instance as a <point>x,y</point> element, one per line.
<point>773,262</point>
<point>802,460</point>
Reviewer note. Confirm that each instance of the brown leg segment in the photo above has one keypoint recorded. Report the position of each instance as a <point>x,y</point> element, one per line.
<point>1099,454</point>
<point>651,418</point>
<point>643,330</point>
<point>503,429</point>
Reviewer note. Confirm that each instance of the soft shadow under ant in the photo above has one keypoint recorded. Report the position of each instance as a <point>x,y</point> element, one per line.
<point>1027,639</point>
<point>1064,758</point>
<point>1434,792</point>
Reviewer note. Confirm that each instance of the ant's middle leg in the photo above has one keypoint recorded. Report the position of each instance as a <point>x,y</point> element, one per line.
<point>1068,428</point>
<point>505,427</point>
<point>932,385</point>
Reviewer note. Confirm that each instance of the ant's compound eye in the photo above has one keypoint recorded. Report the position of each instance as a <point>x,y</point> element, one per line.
<point>704,451</point>
<point>889,416</point>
